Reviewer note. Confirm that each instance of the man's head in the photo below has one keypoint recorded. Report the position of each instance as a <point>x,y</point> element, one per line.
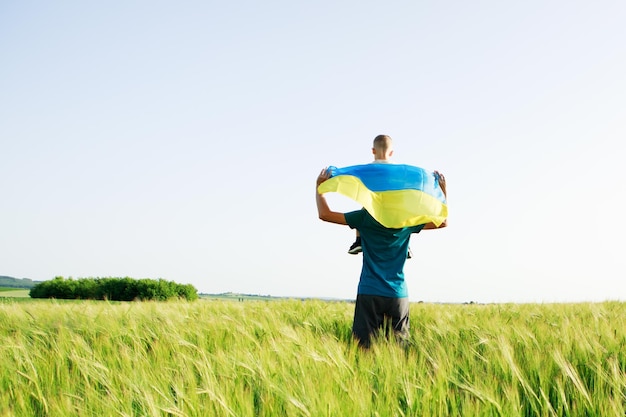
<point>383,147</point>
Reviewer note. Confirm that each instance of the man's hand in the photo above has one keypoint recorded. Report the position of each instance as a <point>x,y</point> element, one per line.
<point>323,211</point>
<point>324,175</point>
<point>442,182</point>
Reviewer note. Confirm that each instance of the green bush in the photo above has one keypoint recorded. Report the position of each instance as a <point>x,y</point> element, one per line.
<point>114,289</point>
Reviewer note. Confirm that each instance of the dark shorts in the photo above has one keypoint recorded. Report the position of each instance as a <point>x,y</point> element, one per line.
<point>374,315</point>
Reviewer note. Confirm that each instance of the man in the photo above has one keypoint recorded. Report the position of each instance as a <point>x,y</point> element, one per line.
<point>382,297</point>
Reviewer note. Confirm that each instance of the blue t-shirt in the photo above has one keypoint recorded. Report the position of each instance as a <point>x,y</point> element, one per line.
<point>384,255</point>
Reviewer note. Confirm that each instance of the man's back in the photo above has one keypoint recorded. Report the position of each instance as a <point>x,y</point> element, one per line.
<point>384,255</point>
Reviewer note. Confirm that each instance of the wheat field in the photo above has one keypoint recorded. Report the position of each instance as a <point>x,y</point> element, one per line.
<point>296,358</point>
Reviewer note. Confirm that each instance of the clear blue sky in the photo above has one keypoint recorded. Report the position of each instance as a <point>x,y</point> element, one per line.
<point>181,140</point>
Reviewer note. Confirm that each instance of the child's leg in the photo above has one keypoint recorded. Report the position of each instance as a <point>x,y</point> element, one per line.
<point>356,246</point>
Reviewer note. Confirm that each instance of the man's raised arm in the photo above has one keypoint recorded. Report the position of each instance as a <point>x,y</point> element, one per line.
<point>442,184</point>
<point>324,212</point>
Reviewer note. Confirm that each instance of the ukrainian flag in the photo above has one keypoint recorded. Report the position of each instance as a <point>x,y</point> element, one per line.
<point>395,195</point>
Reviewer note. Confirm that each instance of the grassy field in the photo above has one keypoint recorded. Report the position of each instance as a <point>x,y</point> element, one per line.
<point>14,292</point>
<point>296,358</point>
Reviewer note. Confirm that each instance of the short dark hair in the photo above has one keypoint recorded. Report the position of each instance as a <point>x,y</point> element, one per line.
<point>382,142</point>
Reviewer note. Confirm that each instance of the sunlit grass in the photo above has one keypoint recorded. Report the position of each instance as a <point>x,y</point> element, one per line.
<point>296,358</point>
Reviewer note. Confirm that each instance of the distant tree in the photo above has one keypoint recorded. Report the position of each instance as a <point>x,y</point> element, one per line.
<point>46,289</point>
<point>114,289</point>
<point>188,292</point>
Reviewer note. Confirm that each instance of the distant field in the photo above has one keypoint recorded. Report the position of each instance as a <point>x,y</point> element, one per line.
<point>256,297</point>
<point>237,297</point>
<point>296,358</point>
<point>13,292</point>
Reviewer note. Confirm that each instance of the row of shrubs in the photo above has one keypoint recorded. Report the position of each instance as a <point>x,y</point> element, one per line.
<point>114,289</point>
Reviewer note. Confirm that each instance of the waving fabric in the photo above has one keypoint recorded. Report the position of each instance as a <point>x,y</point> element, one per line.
<point>395,195</point>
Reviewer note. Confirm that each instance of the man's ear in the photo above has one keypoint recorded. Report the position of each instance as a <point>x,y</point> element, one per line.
<point>374,151</point>
<point>390,154</point>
